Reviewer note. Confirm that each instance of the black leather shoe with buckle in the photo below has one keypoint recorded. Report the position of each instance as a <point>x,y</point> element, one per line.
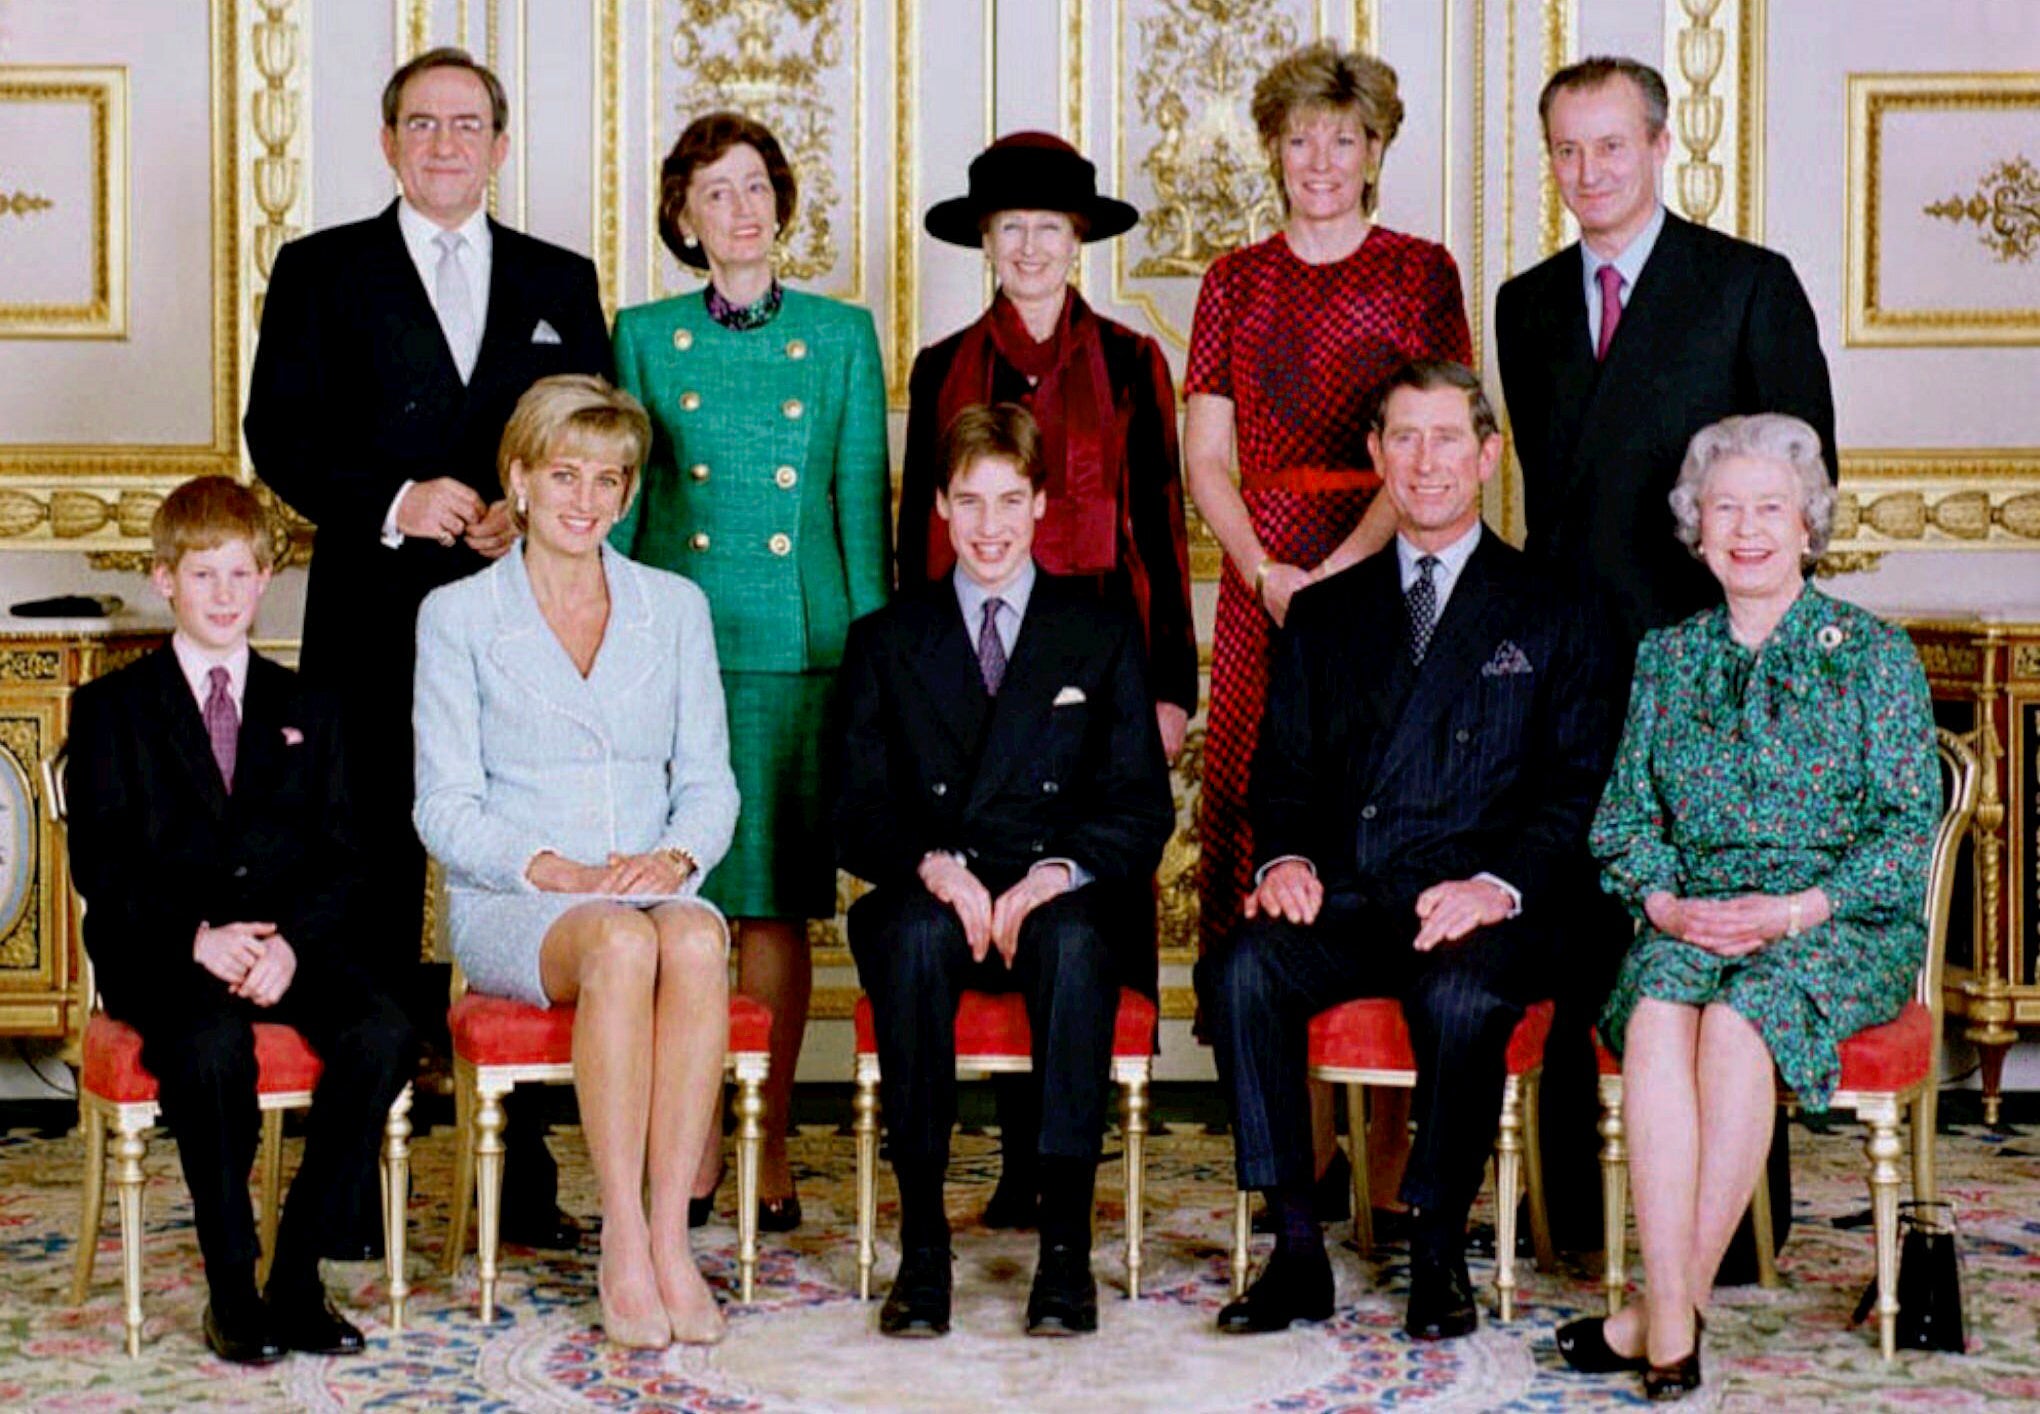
<point>918,1304</point>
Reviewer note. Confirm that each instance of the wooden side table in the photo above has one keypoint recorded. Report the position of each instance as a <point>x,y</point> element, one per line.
<point>1985,678</point>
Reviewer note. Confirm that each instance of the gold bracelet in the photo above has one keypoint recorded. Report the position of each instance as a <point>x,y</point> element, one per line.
<point>680,859</point>
<point>1261,574</point>
<point>1792,916</point>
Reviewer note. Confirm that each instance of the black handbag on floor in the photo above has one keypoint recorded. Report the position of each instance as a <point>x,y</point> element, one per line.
<point>1929,1280</point>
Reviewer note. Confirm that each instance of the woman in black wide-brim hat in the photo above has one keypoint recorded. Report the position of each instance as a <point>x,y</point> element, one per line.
<point>1106,405</point>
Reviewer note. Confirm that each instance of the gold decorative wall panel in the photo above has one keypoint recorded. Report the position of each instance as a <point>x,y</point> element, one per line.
<point>1951,499</point>
<point>1925,151</point>
<point>63,202</point>
<point>1714,67</point>
<point>1560,42</point>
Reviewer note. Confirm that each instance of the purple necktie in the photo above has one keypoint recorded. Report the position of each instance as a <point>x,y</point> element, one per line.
<point>222,724</point>
<point>992,652</point>
<point>1611,308</point>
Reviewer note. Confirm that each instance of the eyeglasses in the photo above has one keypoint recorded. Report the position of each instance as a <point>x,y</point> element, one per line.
<point>423,125</point>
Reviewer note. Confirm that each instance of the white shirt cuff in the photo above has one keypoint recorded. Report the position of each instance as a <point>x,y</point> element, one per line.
<point>391,536</point>
<point>1262,872</point>
<point>1079,876</point>
<point>1515,894</point>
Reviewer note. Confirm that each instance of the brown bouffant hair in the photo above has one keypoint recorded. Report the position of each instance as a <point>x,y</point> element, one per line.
<point>705,140</point>
<point>1325,78</point>
<point>1427,375</point>
<point>1003,430</point>
<point>445,57</point>
<point>206,513</point>
<point>1600,69</point>
<point>578,415</point>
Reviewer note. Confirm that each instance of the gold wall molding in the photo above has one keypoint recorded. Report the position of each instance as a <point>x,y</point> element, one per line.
<point>2005,208</point>
<point>279,44</point>
<point>102,90</point>
<point>1560,40</point>
<point>906,309</point>
<point>1366,25</point>
<point>410,29</point>
<point>1866,317</point>
<point>1938,499</point>
<point>40,468</point>
<point>605,216</point>
<point>1713,64</point>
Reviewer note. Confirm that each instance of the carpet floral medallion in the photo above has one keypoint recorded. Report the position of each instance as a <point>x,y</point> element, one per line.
<point>809,1345</point>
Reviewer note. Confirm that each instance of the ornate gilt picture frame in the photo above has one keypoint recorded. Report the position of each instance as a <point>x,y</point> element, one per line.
<point>63,202</point>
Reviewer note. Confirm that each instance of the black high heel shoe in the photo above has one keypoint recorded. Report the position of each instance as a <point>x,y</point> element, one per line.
<point>1664,1383</point>
<point>1584,1346</point>
<point>779,1214</point>
<point>700,1210</point>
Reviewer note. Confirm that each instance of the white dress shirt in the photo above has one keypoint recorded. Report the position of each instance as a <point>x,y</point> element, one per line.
<point>421,241</point>
<point>198,664</point>
<point>1629,263</point>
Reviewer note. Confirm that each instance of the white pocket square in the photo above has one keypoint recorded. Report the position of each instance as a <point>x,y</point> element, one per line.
<point>545,334</point>
<point>1069,697</point>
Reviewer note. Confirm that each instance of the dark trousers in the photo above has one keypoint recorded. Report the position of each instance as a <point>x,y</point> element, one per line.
<point>1461,1000</point>
<point>202,1053</point>
<point>914,962</point>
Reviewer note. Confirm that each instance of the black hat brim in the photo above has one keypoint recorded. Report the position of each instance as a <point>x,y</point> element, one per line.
<point>959,220</point>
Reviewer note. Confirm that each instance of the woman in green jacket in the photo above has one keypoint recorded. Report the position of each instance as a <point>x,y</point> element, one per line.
<point>766,486</point>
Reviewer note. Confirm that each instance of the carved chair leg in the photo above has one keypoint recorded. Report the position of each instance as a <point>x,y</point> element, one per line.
<point>1356,1155</point>
<point>130,1146</point>
<point>865,1124</point>
<point>1533,1174</point>
<point>1884,1152</point>
<point>750,1149</point>
<point>1765,1234</point>
<point>396,1195</point>
<point>1614,1189</point>
<point>92,1124</point>
<point>1926,1110</point>
<point>270,1164</point>
<point>1135,1125</point>
<point>464,1139</point>
<point>489,1189</point>
<point>1240,1227</point>
<point>1508,1177</point>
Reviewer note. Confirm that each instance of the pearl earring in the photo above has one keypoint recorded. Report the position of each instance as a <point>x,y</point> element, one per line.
<point>522,504</point>
<point>688,240</point>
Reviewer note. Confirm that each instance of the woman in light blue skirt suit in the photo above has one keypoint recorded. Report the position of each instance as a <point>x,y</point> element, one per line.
<point>574,780</point>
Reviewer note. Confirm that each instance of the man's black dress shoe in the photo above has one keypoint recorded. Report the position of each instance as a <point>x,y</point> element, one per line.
<point>1288,1289</point>
<point>243,1338</point>
<point>1015,1206</point>
<point>308,1322</point>
<point>546,1228</point>
<point>1584,1346</point>
<point>1331,1199</point>
<point>918,1304</point>
<point>1064,1300</point>
<point>1441,1300</point>
<point>779,1214</point>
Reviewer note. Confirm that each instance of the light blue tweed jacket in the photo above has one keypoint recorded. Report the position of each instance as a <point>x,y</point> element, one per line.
<point>517,753</point>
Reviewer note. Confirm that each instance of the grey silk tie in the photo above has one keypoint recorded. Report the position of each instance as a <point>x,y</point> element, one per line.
<point>991,651</point>
<point>1422,600</point>
<point>454,300</point>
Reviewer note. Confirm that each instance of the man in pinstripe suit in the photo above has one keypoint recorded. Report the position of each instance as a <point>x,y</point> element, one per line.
<point>1437,733</point>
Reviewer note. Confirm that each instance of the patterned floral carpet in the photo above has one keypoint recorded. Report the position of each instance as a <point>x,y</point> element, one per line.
<point>810,1345</point>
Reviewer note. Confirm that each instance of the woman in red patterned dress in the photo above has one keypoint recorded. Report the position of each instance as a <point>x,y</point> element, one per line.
<point>1293,336</point>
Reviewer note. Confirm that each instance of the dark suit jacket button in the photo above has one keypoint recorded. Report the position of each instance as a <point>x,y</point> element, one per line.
<point>1460,735</point>
<point>1038,846</point>
<point>1049,787</point>
<point>940,788</point>
<point>240,871</point>
<point>1366,812</point>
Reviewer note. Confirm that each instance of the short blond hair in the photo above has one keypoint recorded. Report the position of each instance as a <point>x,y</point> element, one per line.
<point>1324,78</point>
<point>579,415</point>
<point>206,513</point>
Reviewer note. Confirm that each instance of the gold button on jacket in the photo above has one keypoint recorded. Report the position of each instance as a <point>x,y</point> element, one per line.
<point>699,471</point>
<point>699,540</point>
<point>780,544</point>
<point>683,339</point>
<point>689,401</point>
<point>791,407</point>
<point>784,478</point>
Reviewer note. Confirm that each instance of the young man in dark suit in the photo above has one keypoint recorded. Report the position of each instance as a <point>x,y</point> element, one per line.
<point>392,352</point>
<point>1438,728</point>
<point>211,839</point>
<point>1613,353</point>
<point>1005,792</point>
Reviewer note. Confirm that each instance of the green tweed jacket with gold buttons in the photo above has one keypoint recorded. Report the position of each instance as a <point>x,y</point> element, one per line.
<point>767,483</point>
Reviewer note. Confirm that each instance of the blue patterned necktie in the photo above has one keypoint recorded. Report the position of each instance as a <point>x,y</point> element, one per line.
<point>1422,599</point>
<point>991,652</point>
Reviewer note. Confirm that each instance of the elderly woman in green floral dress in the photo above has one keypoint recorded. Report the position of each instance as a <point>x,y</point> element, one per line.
<point>1768,821</point>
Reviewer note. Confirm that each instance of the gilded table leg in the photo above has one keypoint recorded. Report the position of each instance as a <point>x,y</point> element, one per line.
<point>93,1125</point>
<point>866,1127</point>
<point>129,1147</point>
<point>489,1192</point>
<point>1136,1125</point>
<point>396,1190</point>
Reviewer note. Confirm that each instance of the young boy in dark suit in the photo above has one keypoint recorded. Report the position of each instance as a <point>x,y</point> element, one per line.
<point>210,839</point>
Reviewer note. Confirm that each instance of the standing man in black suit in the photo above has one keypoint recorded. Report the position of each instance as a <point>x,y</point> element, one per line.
<point>1437,732</point>
<point>212,841</point>
<point>1004,790</point>
<point>392,352</point>
<point>1613,353</point>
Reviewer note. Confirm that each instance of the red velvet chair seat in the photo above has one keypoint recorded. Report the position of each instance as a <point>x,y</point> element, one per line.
<point>113,1071</point>
<point>1893,1056</point>
<point>1370,1033</point>
<point>995,1024</point>
<point>498,1031</point>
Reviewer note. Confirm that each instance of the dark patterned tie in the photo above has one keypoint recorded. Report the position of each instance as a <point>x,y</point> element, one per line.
<point>1422,599</point>
<point>991,652</point>
<point>222,724</point>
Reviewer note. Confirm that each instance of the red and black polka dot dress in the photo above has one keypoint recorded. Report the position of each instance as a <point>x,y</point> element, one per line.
<point>1299,350</point>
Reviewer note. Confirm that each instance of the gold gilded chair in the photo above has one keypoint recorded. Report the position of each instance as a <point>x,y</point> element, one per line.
<point>500,1044</point>
<point>993,1037</point>
<point>117,1099</point>
<point>1886,1070</point>
<point>1367,1042</point>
